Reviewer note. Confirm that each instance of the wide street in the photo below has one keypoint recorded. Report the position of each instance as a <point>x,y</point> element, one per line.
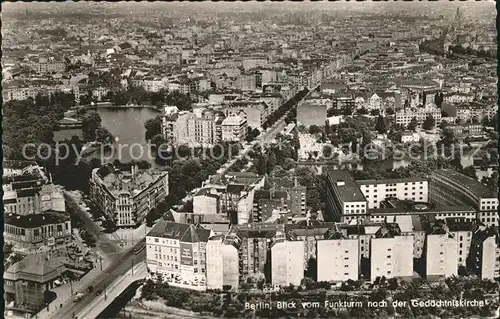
<point>103,243</point>
<point>117,268</point>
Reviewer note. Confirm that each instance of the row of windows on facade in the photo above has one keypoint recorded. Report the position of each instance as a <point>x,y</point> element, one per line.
<point>394,189</point>
<point>175,266</point>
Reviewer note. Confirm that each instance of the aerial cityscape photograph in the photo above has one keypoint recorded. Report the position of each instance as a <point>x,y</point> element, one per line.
<point>271,159</point>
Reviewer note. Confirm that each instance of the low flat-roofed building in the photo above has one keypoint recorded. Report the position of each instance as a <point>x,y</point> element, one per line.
<point>448,187</point>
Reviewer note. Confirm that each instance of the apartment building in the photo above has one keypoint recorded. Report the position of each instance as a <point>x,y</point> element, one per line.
<point>254,112</point>
<point>441,255</point>
<point>309,231</point>
<point>287,261</point>
<point>27,190</point>
<point>344,199</point>
<point>234,193</point>
<point>391,255</point>
<point>448,187</point>
<point>177,253</point>
<point>49,65</point>
<point>462,230</point>
<point>222,262</point>
<point>338,259</point>
<point>483,256</point>
<point>127,196</point>
<point>375,191</point>
<point>297,194</point>
<point>405,116</point>
<point>285,197</point>
<point>49,229</point>
<point>234,128</point>
<point>466,130</point>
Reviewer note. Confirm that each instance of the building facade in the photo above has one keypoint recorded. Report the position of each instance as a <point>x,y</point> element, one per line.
<point>177,253</point>
<point>126,197</point>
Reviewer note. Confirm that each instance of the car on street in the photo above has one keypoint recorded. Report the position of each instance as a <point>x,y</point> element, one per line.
<point>78,297</point>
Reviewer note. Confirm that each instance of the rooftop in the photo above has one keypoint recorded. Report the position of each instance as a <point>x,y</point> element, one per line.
<point>35,268</point>
<point>347,187</point>
<point>36,220</point>
<point>187,233</point>
<point>133,182</point>
<point>477,188</point>
<point>391,180</point>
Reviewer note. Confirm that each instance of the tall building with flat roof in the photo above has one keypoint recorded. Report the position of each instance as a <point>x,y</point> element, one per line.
<point>222,262</point>
<point>338,259</point>
<point>441,254</point>
<point>461,229</point>
<point>375,191</point>
<point>287,261</point>
<point>391,255</point>
<point>483,257</point>
<point>344,199</point>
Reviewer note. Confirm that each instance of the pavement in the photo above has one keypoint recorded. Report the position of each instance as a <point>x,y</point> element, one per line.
<point>99,303</point>
<point>99,280</point>
<point>111,260</point>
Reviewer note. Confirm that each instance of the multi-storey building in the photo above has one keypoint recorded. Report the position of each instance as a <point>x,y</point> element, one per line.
<point>222,262</point>
<point>234,193</point>
<point>338,259</point>
<point>177,253</point>
<point>375,191</point>
<point>254,112</point>
<point>49,65</point>
<point>309,231</point>
<point>204,126</point>
<point>51,230</point>
<point>441,255</point>
<point>289,197</point>
<point>466,130</point>
<point>126,197</point>
<point>287,261</point>
<point>234,129</point>
<point>27,190</point>
<point>391,254</point>
<point>405,116</point>
<point>344,199</point>
<point>448,187</point>
<point>483,256</point>
<point>461,229</point>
